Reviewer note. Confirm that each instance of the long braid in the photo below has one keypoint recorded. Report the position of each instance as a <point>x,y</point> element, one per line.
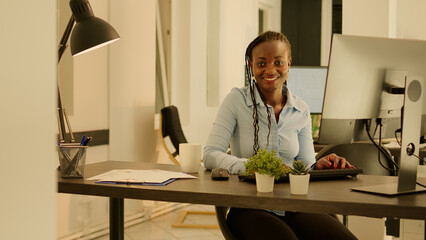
<point>268,111</point>
<point>266,36</point>
<point>255,114</point>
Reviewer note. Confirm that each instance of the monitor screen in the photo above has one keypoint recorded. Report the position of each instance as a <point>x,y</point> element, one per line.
<point>359,72</point>
<point>308,83</point>
<point>374,78</point>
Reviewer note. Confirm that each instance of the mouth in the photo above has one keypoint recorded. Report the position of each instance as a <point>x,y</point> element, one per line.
<point>270,79</point>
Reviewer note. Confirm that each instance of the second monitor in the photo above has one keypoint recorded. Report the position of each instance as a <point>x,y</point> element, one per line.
<point>361,71</point>
<point>376,78</point>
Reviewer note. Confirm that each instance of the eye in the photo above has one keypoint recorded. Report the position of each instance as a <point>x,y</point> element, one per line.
<point>279,63</point>
<point>260,64</point>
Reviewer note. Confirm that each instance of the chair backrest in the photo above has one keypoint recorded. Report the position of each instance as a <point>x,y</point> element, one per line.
<point>171,127</point>
<point>221,213</point>
<point>361,155</point>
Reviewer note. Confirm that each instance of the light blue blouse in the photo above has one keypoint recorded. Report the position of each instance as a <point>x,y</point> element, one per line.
<point>290,137</point>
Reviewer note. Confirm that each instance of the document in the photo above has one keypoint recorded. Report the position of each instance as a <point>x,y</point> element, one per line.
<point>142,177</point>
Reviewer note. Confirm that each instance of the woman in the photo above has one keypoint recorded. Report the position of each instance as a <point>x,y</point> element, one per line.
<point>266,115</point>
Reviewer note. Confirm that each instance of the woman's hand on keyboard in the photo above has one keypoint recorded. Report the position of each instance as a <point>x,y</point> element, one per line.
<point>332,161</point>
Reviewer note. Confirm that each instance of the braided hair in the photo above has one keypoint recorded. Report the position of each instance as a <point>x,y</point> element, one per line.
<point>264,37</point>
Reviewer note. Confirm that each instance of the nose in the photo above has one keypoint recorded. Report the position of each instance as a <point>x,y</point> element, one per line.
<point>270,69</point>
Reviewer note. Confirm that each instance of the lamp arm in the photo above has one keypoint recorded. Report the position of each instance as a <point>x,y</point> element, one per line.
<point>61,110</point>
<point>61,124</point>
<point>65,37</point>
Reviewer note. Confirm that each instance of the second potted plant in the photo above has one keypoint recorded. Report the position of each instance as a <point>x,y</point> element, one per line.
<point>299,178</point>
<point>267,167</point>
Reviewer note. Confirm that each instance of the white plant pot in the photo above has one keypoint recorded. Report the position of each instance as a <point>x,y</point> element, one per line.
<point>299,184</point>
<point>264,183</point>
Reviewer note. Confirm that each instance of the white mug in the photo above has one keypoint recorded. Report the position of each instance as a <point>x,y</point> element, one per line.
<point>189,157</point>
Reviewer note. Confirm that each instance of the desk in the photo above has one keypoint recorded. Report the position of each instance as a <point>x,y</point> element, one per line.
<point>330,197</point>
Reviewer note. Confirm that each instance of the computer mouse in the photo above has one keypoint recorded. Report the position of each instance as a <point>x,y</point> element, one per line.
<point>220,174</point>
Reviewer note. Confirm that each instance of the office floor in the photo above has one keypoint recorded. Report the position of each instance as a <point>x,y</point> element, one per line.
<point>160,227</point>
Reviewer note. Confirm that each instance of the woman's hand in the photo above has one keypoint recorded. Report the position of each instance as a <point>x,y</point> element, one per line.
<point>332,161</point>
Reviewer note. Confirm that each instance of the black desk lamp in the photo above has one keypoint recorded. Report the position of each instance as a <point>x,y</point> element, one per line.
<point>89,33</point>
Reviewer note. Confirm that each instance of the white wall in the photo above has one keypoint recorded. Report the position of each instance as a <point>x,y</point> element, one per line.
<point>238,26</point>
<point>28,125</point>
<point>410,19</point>
<point>132,81</point>
<point>131,70</point>
<point>385,18</point>
<point>366,18</point>
<point>326,30</point>
<point>272,10</point>
<point>237,33</point>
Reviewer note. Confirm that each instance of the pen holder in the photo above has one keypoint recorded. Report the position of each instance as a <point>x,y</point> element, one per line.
<point>72,157</point>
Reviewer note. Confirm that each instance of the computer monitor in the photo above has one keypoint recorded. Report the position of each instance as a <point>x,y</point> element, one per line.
<point>361,73</point>
<point>361,64</point>
<point>308,83</point>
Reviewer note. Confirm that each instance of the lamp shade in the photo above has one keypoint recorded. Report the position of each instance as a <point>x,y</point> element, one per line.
<point>89,31</point>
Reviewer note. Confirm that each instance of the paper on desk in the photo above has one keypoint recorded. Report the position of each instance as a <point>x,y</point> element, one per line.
<point>147,177</point>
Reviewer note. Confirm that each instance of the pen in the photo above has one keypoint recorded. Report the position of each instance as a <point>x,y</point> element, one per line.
<point>86,142</point>
<point>74,163</point>
<point>83,140</point>
<point>65,153</point>
<point>68,159</point>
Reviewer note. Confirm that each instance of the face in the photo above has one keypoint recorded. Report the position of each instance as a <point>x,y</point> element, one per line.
<point>270,64</point>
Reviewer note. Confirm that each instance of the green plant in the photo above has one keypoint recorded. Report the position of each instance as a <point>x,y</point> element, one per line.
<point>266,162</point>
<point>299,168</point>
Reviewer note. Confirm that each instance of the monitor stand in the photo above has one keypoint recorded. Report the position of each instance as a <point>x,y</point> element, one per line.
<point>390,189</point>
<point>407,174</point>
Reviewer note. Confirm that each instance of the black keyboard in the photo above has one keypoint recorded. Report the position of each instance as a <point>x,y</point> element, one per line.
<point>316,175</point>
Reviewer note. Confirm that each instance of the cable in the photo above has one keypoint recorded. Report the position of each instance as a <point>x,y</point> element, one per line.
<point>378,122</point>
<point>421,160</point>
<point>384,151</point>
<point>381,149</point>
<point>396,137</point>
<point>395,171</point>
<point>423,185</point>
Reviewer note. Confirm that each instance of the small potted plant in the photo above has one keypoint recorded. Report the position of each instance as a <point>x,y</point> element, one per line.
<point>299,178</point>
<point>267,167</point>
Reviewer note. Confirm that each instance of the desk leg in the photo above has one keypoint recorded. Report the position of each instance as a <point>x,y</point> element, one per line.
<point>116,219</point>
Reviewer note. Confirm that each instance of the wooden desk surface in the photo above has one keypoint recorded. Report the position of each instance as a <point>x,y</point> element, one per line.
<point>332,196</point>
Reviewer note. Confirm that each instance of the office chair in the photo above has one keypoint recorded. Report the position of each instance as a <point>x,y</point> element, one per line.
<point>170,126</point>
<point>221,213</point>
<point>361,155</point>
